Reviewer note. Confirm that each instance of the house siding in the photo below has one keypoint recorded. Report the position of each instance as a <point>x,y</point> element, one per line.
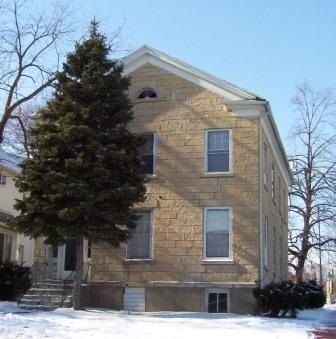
<point>8,195</point>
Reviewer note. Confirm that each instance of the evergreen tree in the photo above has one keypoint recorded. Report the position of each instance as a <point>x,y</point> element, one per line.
<point>84,174</point>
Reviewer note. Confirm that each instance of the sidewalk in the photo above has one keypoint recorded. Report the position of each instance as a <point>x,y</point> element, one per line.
<point>327,333</point>
<point>326,328</point>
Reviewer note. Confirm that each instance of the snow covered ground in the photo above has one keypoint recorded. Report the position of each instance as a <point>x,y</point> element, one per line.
<point>98,323</point>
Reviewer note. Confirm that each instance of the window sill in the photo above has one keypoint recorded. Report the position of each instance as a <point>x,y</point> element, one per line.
<point>138,261</point>
<point>217,175</point>
<point>148,100</point>
<point>218,262</point>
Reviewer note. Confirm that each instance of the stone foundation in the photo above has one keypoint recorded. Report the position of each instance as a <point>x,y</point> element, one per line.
<point>176,298</point>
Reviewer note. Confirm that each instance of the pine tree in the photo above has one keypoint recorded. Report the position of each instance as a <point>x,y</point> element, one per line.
<point>84,174</point>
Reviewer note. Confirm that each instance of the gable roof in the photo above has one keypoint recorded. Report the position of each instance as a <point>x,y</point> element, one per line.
<point>146,54</point>
<point>233,95</point>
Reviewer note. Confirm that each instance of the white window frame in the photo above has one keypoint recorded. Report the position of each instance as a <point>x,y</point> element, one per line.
<point>229,258</point>
<point>206,150</point>
<point>150,237</point>
<point>217,290</point>
<point>265,242</point>
<point>273,180</point>
<point>265,162</point>
<point>154,151</point>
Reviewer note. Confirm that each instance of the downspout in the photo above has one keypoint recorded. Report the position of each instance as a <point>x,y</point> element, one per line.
<point>261,273</point>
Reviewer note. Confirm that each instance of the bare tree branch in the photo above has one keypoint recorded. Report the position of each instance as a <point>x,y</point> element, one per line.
<point>313,195</point>
<point>29,57</point>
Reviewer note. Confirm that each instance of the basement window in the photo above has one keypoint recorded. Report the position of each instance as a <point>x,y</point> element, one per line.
<point>217,300</point>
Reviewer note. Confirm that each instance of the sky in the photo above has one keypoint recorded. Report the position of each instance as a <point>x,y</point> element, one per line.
<point>267,47</point>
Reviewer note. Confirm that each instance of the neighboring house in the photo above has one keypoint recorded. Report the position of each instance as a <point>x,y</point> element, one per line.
<point>14,247</point>
<point>214,224</point>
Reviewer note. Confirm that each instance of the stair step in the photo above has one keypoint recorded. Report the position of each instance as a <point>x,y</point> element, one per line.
<point>47,295</point>
<point>51,285</point>
<point>38,307</point>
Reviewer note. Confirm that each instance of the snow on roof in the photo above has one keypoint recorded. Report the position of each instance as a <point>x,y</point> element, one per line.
<point>10,161</point>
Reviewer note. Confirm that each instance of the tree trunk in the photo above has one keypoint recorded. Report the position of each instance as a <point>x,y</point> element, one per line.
<point>300,267</point>
<point>79,273</point>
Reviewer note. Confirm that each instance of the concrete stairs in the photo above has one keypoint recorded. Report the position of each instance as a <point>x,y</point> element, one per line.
<point>47,295</point>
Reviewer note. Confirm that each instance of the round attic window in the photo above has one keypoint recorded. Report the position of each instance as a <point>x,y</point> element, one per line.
<point>147,93</point>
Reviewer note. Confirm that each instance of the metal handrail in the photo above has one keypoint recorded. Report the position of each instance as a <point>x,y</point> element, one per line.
<point>86,272</point>
<point>67,279</point>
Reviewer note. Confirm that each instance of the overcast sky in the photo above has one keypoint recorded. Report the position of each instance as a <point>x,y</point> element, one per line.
<point>267,47</point>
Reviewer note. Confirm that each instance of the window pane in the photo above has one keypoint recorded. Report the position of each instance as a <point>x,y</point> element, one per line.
<point>147,154</point>
<point>218,220</point>
<point>138,246</point>
<point>217,245</point>
<point>212,302</point>
<point>217,233</point>
<point>218,140</point>
<point>147,148</point>
<point>147,164</point>
<point>218,161</point>
<point>1,247</point>
<point>222,302</point>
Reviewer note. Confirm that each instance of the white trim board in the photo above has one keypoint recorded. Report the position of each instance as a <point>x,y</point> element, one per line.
<point>148,55</point>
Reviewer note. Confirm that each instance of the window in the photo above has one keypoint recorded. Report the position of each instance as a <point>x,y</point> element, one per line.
<point>217,300</point>
<point>266,241</point>
<point>285,204</point>
<point>147,93</point>
<point>139,245</point>
<point>218,151</point>
<point>21,255</point>
<point>273,183</point>
<point>265,164</point>
<point>279,194</point>
<point>217,233</point>
<point>5,247</point>
<point>147,152</point>
<point>2,179</point>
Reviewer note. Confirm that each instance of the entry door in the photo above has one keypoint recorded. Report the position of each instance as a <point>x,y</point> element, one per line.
<point>134,299</point>
<point>66,263</point>
<point>69,257</point>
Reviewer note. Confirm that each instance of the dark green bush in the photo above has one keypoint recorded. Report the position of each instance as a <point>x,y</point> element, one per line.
<point>14,280</point>
<point>283,299</point>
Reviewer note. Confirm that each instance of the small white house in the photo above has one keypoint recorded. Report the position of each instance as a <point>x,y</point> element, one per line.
<point>14,247</point>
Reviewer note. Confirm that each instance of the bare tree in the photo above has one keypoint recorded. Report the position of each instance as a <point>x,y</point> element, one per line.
<point>29,57</point>
<point>17,132</point>
<point>312,204</point>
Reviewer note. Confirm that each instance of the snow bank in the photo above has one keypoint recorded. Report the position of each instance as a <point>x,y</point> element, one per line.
<point>100,324</point>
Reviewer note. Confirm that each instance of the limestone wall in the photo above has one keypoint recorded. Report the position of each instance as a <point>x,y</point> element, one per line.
<point>180,190</point>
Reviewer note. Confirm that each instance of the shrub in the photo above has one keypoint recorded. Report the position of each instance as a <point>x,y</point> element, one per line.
<point>14,280</point>
<point>283,299</point>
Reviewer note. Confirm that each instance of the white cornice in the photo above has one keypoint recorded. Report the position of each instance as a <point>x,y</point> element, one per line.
<point>148,55</point>
<point>244,108</point>
<point>262,108</point>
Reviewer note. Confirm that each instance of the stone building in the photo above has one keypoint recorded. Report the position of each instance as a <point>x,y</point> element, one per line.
<point>214,223</point>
